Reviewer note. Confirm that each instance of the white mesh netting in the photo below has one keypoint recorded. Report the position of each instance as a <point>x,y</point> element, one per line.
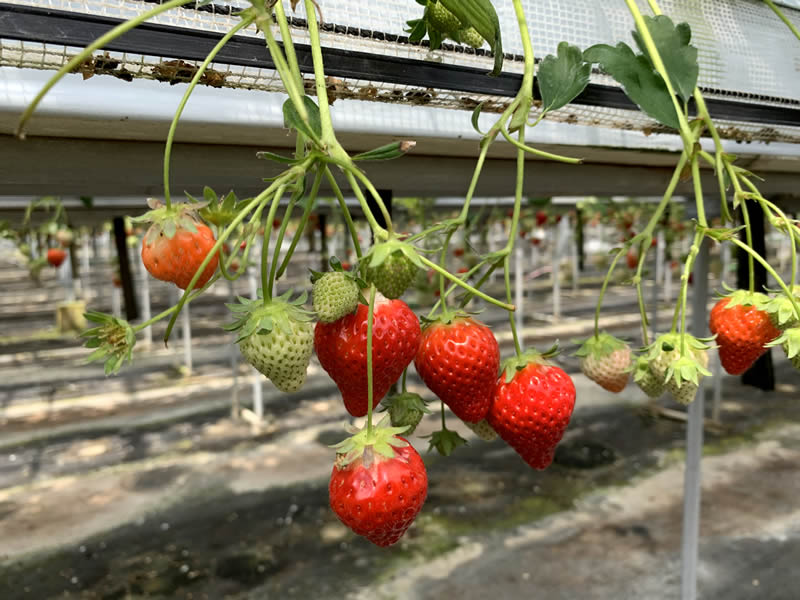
<point>735,61</point>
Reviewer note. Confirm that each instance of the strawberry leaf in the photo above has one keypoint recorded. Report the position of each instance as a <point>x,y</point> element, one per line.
<point>291,118</point>
<point>481,15</point>
<point>678,55</point>
<point>561,78</point>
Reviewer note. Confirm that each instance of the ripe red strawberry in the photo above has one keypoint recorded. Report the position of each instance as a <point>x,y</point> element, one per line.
<point>532,407</point>
<point>176,244</point>
<point>541,218</point>
<point>606,360</point>
<point>376,495</point>
<point>632,259</point>
<point>56,256</point>
<point>458,252</point>
<point>458,360</point>
<point>742,329</point>
<point>342,350</point>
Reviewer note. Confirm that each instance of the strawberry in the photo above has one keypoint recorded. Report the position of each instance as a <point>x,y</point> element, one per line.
<point>541,218</point>
<point>335,295</point>
<point>378,485</point>
<point>458,359</point>
<point>406,410</point>
<point>532,407</point>
<point>470,37</point>
<point>64,237</point>
<point>458,252</point>
<point>742,329</point>
<point>276,338</point>
<point>632,258</point>
<point>342,350</point>
<point>56,256</point>
<point>644,378</point>
<point>441,19</point>
<point>392,267</point>
<point>483,430</point>
<point>176,244</point>
<point>679,371</point>
<point>606,360</point>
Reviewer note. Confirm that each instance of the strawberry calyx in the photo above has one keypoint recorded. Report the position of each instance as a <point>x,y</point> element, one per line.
<point>790,340</point>
<point>600,346</point>
<point>169,219</point>
<point>745,298</point>
<point>370,445</point>
<point>781,308</point>
<point>255,317</point>
<point>512,365</point>
<point>685,367</point>
<point>445,441</point>
<point>336,267</point>
<point>449,317</point>
<point>378,254</point>
<point>112,338</point>
<point>217,210</point>
<point>405,409</point>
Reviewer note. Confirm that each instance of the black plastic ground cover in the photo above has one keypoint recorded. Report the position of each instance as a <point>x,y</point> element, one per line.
<point>37,24</point>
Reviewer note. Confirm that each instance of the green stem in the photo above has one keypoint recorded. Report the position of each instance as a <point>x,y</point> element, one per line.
<point>171,309</point>
<point>267,283</point>
<point>603,288</point>
<point>749,237</point>
<point>680,307</point>
<point>772,272</point>
<point>79,58</point>
<point>658,63</point>
<point>465,285</point>
<point>374,193</point>
<point>791,230</point>
<point>370,321</point>
<point>512,322</point>
<point>444,425</point>
<point>783,18</point>
<point>540,153</point>
<point>443,264</point>
<point>328,136</point>
<point>192,84</point>
<point>380,232</point>
<point>345,211</point>
<point>288,44</point>
<point>403,382</point>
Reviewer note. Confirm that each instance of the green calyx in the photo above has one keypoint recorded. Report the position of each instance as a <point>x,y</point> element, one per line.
<point>445,441</point>
<point>366,444</point>
<point>600,346</point>
<point>790,340</point>
<point>781,309</point>
<point>448,317</point>
<point>405,410</point>
<point>168,219</point>
<point>253,316</point>
<point>746,298</point>
<point>679,367</point>
<point>113,340</point>
<point>644,378</point>
<point>218,210</point>
<point>512,365</point>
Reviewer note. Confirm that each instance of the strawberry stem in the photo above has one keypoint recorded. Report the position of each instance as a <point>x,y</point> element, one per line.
<point>345,211</point>
<point>192,84</point>
<point>370,392</point>
<point>772,272</point>
<point>783,18</point>
<point>429,263</point>
<point>267,283</point>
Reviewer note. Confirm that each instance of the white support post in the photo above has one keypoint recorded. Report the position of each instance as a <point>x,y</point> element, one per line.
<point>694,440</point>
<point>234,358</point>
<point>519,286</point>
<point>574,255</point>
<point>562,234</point>
<point>716,406</point>
<point>144,291</point>
<point>65,279</point>
<point>116,301</point>
<point>258,395</point>
<point>667,282</point>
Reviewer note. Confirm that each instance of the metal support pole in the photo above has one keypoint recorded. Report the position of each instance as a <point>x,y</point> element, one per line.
<point>258,392</point>
<point>121,240</point>
<point>576,260</point>
<point>116,301</point>
<point>660,241</point>
<point>562,232</point>
<point>694,440</point>
<point>85,278</point>
<point>234,358</point>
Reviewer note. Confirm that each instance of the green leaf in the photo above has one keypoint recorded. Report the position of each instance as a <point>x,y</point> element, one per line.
<point>476,114</point>
<point>481,15</point>
<point>561,78</point>
<point>678,55</point>
<point>435,38</point>
<point>209,195</point>
<point>642,85</point>
<point>291,118</point>
<point>417,31</point>
<point>387,152</point>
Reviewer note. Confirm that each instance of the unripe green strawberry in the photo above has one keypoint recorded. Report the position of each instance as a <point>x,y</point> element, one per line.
<point>393,276</point>
<point>277,338</point>
<point>483,430</point>
<point>680,373</point>
<point>644,378</point>
<point>406,410</point>
<point>470,37</point>
<point>334,295</point>
<point>606,360</point>
<point>442,19</point>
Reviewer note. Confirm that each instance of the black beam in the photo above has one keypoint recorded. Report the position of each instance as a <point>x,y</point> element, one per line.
<point>762,374</point>
<point>121,241</point>
<point>35,24</point>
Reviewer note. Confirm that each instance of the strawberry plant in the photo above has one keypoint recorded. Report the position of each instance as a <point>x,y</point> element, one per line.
<point>366,335</point>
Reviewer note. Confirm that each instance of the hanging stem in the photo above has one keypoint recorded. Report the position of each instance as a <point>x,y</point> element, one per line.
<point>749,237</point>
<point>783,18</point>
<point>328,136</point>
<point>370,392</point>
<point>429,263</point>
<point>288,44</point>
<point>267,282</point>
<point>79,58</point>
<point>380,232</point>
<point>772,272</point>
<point>345,211</point>
<point>374,193</point>
<point>192,84</point>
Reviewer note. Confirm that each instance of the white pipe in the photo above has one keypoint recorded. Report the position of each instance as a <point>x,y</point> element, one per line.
<point>116,301</point>
<point>660,242</point>
<point>257,378</point>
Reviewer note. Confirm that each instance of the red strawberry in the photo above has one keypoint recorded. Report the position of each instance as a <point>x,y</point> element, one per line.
<point>742,329</point>
<point>633,259</point>
<point>463,270</point>
<point>56,256</point>
<point>458,360</point>
<point>532,406</point>
<point>379,496</point>
<point>541,218</point>
<point>342,350</point>
<point>458,252</point>
<point>276,224</point>
<point>177,258</point>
